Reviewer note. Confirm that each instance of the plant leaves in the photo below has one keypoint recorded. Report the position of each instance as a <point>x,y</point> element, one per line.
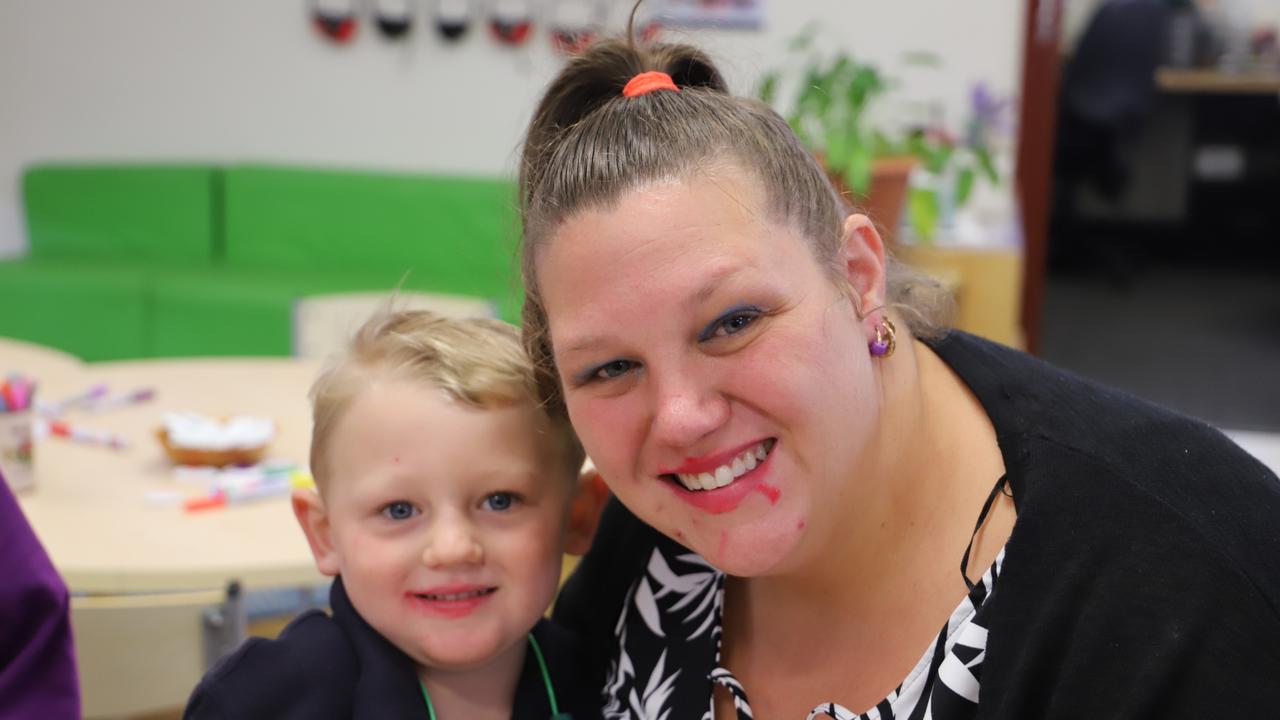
<point>836,147</point>
<point>987,164</point>
<point>768,87</point>
<point>804,39</point>
<point>924,210</point>
<point>857,171</point>
<point>964,185</point>
<point>922,58</point>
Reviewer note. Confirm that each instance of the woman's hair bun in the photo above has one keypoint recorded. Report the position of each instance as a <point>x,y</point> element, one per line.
<point>597,76</point>
<point>687,66</point>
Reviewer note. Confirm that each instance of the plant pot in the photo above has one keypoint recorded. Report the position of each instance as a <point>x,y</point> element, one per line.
<point>886,195</point>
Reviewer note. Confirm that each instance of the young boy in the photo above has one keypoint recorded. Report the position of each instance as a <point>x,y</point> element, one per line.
<point>446,498</point>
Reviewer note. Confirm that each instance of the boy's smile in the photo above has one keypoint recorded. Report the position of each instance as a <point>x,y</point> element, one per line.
<point>451,600</point>
<point>447,522</point>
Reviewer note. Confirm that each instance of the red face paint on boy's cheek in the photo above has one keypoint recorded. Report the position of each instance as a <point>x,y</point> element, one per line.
<point>770,492</point>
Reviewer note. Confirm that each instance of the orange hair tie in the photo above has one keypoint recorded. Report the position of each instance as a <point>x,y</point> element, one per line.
<point>647,82</point>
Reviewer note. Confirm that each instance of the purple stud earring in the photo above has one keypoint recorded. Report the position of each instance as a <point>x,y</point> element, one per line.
<point>886,339</point>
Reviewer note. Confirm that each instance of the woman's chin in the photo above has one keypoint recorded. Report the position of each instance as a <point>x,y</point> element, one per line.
<point>754,549</point>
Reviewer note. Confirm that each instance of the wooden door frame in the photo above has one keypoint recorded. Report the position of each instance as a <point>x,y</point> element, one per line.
<point>1034,173</point>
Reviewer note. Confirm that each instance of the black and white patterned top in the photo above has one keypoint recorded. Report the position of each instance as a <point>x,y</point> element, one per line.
<point>1117,500</point>
<point>668,651</point>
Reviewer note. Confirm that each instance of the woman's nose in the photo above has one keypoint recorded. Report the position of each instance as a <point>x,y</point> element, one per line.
<point>452,541</point>
<point>686,410</point>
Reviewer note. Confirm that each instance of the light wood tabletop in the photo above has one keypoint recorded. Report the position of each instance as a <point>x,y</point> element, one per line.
<point>111,520</point>
<point>1210,81</point>
<point>43,363</point>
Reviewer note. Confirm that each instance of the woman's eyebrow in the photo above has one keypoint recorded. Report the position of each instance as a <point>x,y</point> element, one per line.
<point>708,288</point>
<point>584,343</point>
<point>713,283</point>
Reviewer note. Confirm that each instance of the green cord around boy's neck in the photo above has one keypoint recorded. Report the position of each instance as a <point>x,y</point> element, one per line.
<point>553,709</point>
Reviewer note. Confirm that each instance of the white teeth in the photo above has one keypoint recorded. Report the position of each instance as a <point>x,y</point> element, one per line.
<point>725,474</point>
<point>456,596</point>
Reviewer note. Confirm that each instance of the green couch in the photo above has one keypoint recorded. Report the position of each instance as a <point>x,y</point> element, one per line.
<point>162,261</point>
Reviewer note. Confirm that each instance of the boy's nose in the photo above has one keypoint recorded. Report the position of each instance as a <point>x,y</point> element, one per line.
<point>452,543</point>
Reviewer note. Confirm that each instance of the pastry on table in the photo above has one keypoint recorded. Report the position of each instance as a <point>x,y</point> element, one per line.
<point>191,438</point>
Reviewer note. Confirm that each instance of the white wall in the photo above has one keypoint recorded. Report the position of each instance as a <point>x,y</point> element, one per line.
<point>1258,13</point>
<point>248,80</point>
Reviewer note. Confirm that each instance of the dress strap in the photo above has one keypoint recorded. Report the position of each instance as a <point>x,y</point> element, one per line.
<point>982,518</point>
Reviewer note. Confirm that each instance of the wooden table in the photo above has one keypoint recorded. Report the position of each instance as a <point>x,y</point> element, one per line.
<point>45,364</point>
<point>95,509</point>
<point>1211,81</point>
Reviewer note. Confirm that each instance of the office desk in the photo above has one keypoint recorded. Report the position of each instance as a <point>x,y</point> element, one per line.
<point>1208,81</point>
<point>90,504</point>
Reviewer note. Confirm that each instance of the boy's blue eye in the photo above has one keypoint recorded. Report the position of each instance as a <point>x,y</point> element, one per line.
<point>500,501</point>
<point>730,323</point>
<point>399,510</point>
<point>612,369</point>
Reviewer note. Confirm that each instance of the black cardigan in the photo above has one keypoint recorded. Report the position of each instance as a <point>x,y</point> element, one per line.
<point>1142,578</point>
<point>339,667</point>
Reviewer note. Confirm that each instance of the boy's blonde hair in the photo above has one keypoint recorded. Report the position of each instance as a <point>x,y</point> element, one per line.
<point>479,362</point>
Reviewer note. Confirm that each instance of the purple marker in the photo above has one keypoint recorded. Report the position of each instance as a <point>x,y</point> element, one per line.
<point>84,398</point>
<point>117,401</point>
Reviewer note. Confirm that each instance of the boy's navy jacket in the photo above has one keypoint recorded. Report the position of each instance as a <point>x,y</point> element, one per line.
<point>339,667</point>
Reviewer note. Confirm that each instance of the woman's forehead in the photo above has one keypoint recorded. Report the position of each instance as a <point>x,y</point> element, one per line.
<point>668,221</point>
<point>595,285</point>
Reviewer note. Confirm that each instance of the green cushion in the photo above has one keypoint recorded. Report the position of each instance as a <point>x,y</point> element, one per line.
<point>239,311</point>
<point>449,232</point>
<point>95,310</point>
<point>224,312</point>
<point>152,212</point>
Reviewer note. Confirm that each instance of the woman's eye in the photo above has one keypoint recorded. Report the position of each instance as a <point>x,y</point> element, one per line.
<point>500,501</point>
<point>611,370</point>
<point>730,323</point>
<point>399,510</point>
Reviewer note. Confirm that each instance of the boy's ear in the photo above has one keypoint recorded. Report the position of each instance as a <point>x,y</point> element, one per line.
<point>309,508</point>
<point>584,512</point>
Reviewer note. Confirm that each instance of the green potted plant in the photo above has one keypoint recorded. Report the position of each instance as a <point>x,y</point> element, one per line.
<point>950,167</point>
<point>831,115</point>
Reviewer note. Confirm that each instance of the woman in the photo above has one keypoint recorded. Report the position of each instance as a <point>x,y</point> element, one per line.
<point>803,455</point>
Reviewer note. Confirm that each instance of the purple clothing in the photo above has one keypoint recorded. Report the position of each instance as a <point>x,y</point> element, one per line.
<point>37,663</point>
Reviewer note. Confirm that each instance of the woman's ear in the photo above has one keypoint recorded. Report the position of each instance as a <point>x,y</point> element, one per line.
<point>584,511</point>
<point>309,508</point>
<point>862,262</point>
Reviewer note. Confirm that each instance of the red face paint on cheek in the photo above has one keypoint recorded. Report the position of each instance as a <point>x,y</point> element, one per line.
<point>770,492</point>
<point>800,525</point>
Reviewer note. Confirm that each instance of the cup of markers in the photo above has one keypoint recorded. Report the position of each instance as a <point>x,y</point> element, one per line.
<point>17,394</point>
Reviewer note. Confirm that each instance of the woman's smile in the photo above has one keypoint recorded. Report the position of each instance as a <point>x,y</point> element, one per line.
<point>713,365</point>
<point>719,483</point>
